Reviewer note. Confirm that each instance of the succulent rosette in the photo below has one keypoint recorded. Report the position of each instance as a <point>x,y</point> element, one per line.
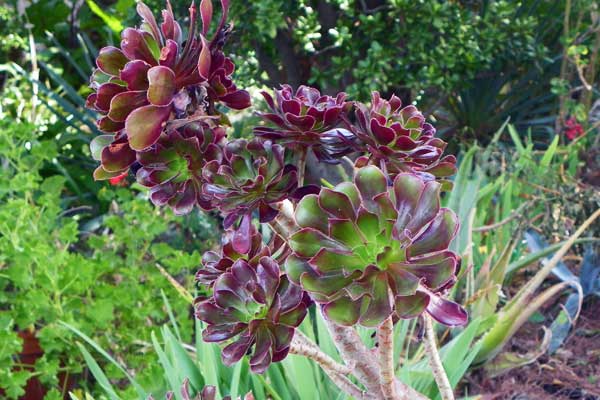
<point>158,75</point>
<point>399,139</point>
<point>208,392</point>
<point>307,119</point>
<point>252,176</point>
<point>233,247</point>
<point>172,168</point>
<point>367,251</point>
<point>255,309</point>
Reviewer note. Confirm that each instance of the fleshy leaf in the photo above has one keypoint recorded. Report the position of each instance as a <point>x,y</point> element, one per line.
<point>144,125</point>
<point>307,242</point>
<point>98,144</point>
<point>343,311</point>
<point>161,85</point>
<point>437,236</point>
<point>111,60</point>
<point>135,74</point>
<point>124,103</point>
<point>307,214</point>
<point>446,312</point>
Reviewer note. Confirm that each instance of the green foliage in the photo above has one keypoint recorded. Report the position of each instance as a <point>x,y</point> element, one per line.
<point>96,274</point>
<point>294,378</point>
<point>514,189</point>
<point>386,43</point>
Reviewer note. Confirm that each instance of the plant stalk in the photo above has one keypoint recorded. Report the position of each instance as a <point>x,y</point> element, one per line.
<point>302,346</point>
<point>302,166</point>
<point>435,362</point>
<point>385,339</point>
<point>356,356</point>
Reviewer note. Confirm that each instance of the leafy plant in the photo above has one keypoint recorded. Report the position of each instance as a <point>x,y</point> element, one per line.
<point>57,265</point>
<point>384,251</point>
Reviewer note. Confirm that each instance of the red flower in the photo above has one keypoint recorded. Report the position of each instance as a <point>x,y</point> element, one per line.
<point>119,180</point>
<point>573,129</point>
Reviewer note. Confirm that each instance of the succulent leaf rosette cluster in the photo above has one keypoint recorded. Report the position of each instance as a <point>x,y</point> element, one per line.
<point>307,120</point>
<point>208,392</point>
<point>366,251</point>
<point>399,140</point>
<point>252,176</point>
<point>151,89</point>
<point>362,252</point>
<point>256,305</point>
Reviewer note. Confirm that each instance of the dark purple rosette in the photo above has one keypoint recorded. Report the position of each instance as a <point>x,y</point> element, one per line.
<point>307,119</point>
<point>172,167</point>
<point>156,82</point>
<point>252,176</point>
<point>366,251</point>
<point>398,139</point>
<point>208,392</point>
<point>255,310</point>
<point>233,248</point>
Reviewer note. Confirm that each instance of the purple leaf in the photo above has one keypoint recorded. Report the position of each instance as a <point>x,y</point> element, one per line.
<point>124,103</point>
<point>111,60</point>
<point>205,60</point>
<point>135,74</point>
<point>446,312</point>
<point>117,157</point>
<point>238,100</point>
<point>242,240</point>
<point>206,12</point>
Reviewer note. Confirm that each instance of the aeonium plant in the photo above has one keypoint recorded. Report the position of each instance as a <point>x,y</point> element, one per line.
<point>365,252</point>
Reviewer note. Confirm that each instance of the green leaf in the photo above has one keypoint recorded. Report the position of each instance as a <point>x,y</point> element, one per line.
<point>98,373</point>
<point>113,23</point>
<point>547,158</point>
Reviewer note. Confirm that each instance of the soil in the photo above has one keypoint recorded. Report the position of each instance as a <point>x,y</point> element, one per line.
<point>572,373</point>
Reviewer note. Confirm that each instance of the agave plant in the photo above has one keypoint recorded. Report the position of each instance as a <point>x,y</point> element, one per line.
<point>258,308</point>
<point>306,119</point>
<point>398,139</point>
<point>252,176</point>
<point>159,76</point>
<point>367,252</point>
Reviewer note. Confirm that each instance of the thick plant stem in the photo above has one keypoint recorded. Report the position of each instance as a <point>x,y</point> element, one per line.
<point>350,388</point>
<point>302,166</point>
<point>435,362</point>
<point>356,356</point>
<point>385,339</point>
<point>302,346</point>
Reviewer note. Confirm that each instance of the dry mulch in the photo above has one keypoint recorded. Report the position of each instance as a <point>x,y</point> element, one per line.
<point>572,373</point>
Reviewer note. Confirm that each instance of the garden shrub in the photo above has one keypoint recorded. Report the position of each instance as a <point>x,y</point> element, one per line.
<point>98,274</point>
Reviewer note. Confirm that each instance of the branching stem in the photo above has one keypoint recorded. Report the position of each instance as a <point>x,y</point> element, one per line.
<point>302,346</point>
<point>356,356</point>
